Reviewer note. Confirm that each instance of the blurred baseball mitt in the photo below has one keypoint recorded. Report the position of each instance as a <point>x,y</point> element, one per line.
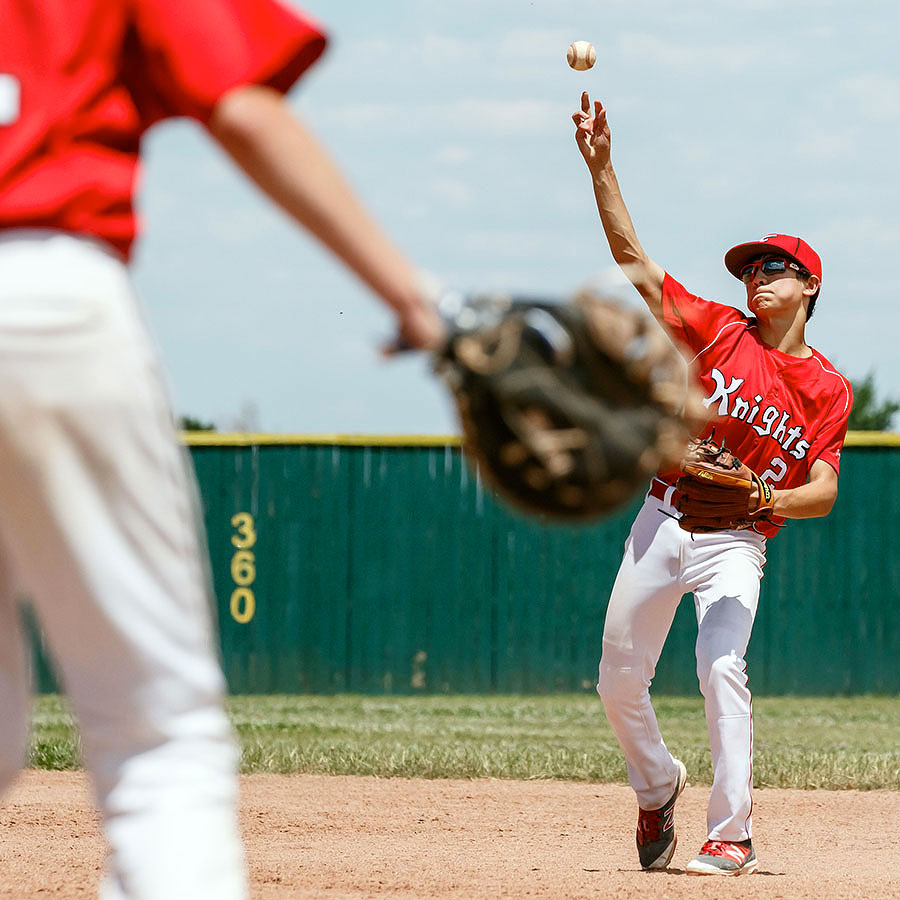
<point>718,492</point>
<point>566,407</point>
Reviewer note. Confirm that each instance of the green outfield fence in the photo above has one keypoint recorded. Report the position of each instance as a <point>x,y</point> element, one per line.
<point>383,565</point>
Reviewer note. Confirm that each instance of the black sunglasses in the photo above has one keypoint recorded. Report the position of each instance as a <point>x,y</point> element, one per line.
<point>771,267</point>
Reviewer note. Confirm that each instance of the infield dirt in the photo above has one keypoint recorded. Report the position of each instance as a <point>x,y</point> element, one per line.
<point>341,837</point>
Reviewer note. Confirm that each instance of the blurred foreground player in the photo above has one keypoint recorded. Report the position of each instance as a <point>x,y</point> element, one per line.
<point>97,515</point>
<point>780,407</point>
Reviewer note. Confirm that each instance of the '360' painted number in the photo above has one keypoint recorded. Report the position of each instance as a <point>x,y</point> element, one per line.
<point>243,568</point>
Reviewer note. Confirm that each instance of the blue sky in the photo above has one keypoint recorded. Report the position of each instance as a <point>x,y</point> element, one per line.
<point>452,121</point>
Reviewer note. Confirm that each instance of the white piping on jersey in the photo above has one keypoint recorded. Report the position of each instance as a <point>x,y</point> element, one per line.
<point>843,381</point>
<point>722,329</point>
<point>815,357</point>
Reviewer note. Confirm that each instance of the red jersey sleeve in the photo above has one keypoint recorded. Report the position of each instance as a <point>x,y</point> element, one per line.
<point>183,55</point>
<point>832,428</point>
<point>690,319</point>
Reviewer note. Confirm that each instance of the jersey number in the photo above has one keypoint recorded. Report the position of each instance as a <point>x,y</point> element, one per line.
<point>10,98</point>
<point>777,472</point>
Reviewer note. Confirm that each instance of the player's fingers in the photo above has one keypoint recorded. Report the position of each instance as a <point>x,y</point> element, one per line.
<point>584,132</point>
<point>585,103</point>
<point>422,329</point>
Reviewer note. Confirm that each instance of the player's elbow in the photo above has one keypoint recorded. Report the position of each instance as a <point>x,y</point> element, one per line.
<point>820,493</point>
<point>823,504</point>
<point>828,493</point>
<point>244,114</point>
<point>647,277</point>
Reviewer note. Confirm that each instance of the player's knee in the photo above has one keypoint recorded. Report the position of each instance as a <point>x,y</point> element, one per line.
<point>727,671</point>
<point>618,682</point>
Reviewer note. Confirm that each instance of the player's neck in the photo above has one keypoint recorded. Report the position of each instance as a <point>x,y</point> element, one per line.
<point>787,336</point>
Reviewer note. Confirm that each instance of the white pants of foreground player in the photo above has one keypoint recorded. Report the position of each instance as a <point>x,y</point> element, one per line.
<point>98,526</point>
<point>723,571</point>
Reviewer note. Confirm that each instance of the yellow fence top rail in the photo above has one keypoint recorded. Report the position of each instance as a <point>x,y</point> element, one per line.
<point>241,439</point>
<point>248,439</point>
<point>872,439</point>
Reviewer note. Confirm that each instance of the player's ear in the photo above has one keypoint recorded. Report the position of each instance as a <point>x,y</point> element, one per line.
<point>811,285</point>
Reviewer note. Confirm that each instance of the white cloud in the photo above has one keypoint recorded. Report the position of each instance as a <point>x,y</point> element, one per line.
<point>536,43</point>
<point>240,226</point>
<point>862,237</point>
<point>826,145</point>
<point>455,192</point>
<point>452,155</point>
<point>649,48</point>
<point>696,151</point>
<point>521,243</point>
<point>716,184</point>
<point>463,116</point>
<point>369,52</point>
<point>779,5</point>
<point>442,52</point>
<point>430,50</point>
<point>873,96</point>
<point>366,115</point>
<point>503,116</point>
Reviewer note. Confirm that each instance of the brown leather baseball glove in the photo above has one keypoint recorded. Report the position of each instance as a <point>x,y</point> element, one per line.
<point>718,492</point>
<point>567,408</point>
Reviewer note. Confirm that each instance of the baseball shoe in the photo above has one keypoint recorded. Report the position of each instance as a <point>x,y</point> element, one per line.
<point>656,828</point>
<point>724,858</point>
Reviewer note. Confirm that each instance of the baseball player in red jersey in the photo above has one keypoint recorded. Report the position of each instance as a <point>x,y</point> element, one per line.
<point>780,407</point>
<point>98,519</point>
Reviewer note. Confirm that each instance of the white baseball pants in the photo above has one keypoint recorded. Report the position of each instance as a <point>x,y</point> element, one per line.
<point>723,571</point>
<point>98,527</point>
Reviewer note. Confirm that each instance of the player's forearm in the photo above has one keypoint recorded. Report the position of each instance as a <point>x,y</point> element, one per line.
<point>624,245</point>
<point>257,129</point>
<point>808,501</point>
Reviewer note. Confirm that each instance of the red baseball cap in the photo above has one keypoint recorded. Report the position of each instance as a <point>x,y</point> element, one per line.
<point>798,250</point>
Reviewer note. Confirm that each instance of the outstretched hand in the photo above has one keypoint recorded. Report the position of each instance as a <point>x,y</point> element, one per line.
<point>592,134</point>
<point>421,328</point>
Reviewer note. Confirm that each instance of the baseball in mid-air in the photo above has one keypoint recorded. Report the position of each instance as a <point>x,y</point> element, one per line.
<point>581,55</point>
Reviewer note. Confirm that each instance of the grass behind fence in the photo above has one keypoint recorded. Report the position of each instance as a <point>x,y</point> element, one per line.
<point>799,742</point>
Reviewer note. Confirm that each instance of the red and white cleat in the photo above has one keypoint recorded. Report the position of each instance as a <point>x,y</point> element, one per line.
<point>724,858</point>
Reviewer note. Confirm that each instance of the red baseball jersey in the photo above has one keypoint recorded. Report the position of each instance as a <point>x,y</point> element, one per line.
<point>82,80</point>
<point>776,412</point>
